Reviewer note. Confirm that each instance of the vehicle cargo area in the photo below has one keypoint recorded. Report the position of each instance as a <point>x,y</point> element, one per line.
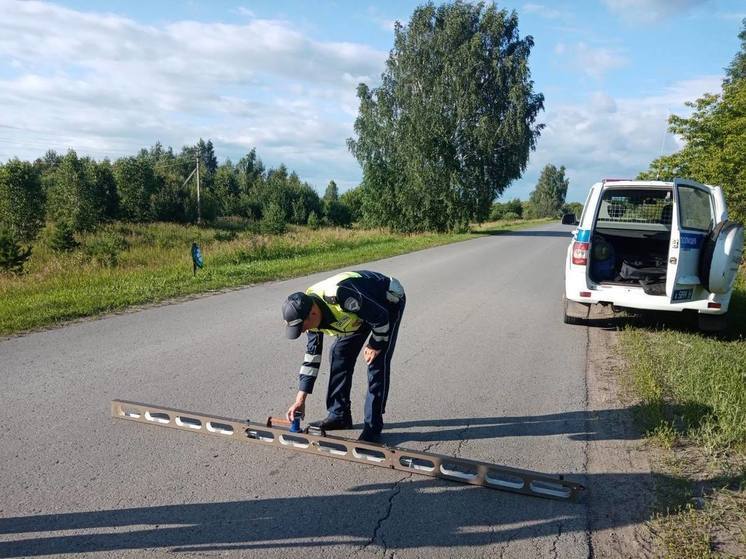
<point>629,245</point>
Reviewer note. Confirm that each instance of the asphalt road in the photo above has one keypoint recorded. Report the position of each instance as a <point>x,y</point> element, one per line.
<point>484,369</point>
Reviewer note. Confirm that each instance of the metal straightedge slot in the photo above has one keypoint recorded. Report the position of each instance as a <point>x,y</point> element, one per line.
<point>461,470</point>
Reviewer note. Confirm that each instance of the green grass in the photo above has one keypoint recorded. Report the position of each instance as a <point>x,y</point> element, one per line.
<point>693,385</point>
<point>156,265</point>
<point>691,390</point>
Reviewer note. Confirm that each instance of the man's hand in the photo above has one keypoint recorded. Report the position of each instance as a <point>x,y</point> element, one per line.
<point>369,354</point>
<point>298,405</point>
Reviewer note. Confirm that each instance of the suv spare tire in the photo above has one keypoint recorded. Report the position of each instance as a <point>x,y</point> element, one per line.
<point>721,257</point>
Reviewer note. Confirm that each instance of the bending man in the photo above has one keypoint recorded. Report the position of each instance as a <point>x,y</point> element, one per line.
<point>350,306</point>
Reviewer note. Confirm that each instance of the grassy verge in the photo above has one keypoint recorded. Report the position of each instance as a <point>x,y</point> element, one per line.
<point>692,393</point>
<point>123,265</point>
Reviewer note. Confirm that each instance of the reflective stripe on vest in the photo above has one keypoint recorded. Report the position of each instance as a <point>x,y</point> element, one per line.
<point>344,321</point>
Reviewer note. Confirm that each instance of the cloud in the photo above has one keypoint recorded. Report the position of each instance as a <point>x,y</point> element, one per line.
<point>593,61</point>
<point>604,136</point>
<point>244,11</point>
<point>542,11</point>
<point>108,85</point>
<point>650,11</point>
<point>382,22</point>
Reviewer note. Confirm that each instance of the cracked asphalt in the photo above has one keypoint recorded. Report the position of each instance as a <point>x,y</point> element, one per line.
<point>484,369</point>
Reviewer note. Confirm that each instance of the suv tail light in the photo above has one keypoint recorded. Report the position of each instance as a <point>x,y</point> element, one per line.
<point>580,253</point>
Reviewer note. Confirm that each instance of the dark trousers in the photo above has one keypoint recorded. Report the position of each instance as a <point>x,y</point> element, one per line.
<point>344,355</point>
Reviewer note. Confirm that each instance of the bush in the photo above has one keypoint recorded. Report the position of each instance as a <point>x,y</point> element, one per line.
<point>12,258</point>
<point>313,221</point>
<point>511,216</point>
<point>106,249</point>
<point>496,213</point>
<point>62,238</point>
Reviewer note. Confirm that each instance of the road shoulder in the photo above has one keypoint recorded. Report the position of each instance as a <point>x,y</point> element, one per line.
<point>621,485</point>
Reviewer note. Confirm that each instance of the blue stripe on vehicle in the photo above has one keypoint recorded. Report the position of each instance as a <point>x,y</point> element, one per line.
<point>691,241</point>
<point>583,235</point>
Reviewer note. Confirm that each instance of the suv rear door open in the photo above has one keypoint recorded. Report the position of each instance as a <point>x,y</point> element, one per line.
<point>692,219</point>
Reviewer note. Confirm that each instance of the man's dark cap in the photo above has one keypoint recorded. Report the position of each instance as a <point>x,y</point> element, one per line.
<point>295,310</point>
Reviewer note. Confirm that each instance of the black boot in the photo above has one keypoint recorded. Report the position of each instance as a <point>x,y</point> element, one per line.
<point>333,423</point>
<point>369,435</point>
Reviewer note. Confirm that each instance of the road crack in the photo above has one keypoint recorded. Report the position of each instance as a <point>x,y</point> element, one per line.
<point>461,438</point>
<point>379,523</point>
<point>556,541</point>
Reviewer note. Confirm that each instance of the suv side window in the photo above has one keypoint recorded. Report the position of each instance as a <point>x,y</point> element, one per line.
<point>695,208</point>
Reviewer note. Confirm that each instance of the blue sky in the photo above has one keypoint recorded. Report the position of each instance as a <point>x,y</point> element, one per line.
<point>107,78</point>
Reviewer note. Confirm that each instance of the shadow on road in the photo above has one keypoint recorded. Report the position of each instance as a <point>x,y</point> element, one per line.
<point>438,514</point>
<point>577,425</point>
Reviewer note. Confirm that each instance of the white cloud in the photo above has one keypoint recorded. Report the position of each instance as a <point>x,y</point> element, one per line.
<point>651,11</point>
<point>108,85</point>
<point>593,61</point>
<point>246,12</point>
<point>383,22</point>
<point>609,137</point>
<point>542,11</point>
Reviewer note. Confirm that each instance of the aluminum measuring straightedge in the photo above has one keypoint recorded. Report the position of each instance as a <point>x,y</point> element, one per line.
<point>461,470</point>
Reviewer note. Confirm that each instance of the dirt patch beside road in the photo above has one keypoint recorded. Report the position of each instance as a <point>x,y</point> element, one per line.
<point>621,485</point>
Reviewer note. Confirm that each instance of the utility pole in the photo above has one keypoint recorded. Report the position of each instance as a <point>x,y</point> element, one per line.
<point>199,206</point>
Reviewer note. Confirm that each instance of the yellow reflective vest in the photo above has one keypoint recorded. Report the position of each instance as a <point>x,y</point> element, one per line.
<point>345,322</point>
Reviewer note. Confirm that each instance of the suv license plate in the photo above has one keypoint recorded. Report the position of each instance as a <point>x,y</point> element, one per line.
<point>682,294</point>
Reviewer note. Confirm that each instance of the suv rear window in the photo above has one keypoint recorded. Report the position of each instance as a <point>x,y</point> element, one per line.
<point>635,206</point>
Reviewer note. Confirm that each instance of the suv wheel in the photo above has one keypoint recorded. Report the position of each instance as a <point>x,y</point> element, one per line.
<point>712,322</point>
<point>568,318</point>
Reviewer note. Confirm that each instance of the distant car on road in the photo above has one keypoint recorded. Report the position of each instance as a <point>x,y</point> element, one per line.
<point>664,246</point>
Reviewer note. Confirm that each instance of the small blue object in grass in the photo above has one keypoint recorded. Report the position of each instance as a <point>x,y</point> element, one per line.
<point>196,258</point>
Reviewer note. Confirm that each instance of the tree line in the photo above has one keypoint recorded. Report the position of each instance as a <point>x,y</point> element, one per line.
<point>80,192</point>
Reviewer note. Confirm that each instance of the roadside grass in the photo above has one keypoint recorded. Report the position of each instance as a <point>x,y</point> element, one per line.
<point>690,384</point>
<point>691,389</point>
<point>122,265</point>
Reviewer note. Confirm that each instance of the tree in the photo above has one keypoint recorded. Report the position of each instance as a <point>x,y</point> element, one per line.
<point>106,188</point>
<point>338,214</point>
<point>273,221</point>
<point>226,188</point>
<point>136,183</point>
<point>453,121</point>
<point>549,195</point>
<point>737,69</point>
<point>499,210</point>
<point>74,197</point>
<point>353,199</point>
<point>12,258</point>
<point>715,136</point>
<point>21,199</point>
<point>250,171</point>
<point>62,238</point>
<point>332,193</point>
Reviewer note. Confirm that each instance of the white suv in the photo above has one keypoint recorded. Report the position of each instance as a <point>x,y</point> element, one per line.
<point>664,246</point>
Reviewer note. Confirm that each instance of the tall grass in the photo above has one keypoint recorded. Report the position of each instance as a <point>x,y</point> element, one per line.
<point>122,265</point>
